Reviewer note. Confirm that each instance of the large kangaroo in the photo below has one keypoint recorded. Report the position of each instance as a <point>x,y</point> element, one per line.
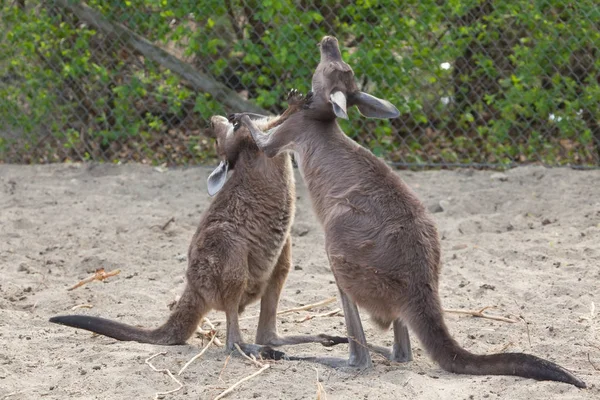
<point>241,251</point>
<point>382,244</point>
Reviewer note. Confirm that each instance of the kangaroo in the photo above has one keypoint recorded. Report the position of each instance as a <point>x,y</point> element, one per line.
<point>241,251</point>
<point>382,244</point>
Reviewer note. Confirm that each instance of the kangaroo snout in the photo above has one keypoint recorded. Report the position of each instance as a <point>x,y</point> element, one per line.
<point>330,48</point>
<point>328,41</point>
<point>217,119</point>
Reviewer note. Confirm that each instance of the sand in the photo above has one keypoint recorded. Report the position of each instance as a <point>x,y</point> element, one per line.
<point>526,241</point>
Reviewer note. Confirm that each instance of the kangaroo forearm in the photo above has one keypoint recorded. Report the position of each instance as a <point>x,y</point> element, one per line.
<point>266,143</point>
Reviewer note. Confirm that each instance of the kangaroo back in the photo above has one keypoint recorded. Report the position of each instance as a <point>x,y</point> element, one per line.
<point>356,196</point>
<point>208,267</point>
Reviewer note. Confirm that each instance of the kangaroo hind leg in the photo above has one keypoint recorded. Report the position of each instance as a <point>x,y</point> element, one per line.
<point>266,333</point>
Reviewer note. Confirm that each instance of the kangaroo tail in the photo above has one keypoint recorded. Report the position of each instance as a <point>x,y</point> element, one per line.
<point>428,323</point>
<point>179,327</point>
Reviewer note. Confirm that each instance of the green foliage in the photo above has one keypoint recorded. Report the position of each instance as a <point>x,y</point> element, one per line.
<point>477,81</point>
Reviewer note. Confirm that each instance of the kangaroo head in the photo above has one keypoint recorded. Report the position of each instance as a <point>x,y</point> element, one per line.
<point>229,147</point>
<point>334,88</point>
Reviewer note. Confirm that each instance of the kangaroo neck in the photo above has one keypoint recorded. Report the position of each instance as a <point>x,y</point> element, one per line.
<point>325,157</point>
<point>276,171</point>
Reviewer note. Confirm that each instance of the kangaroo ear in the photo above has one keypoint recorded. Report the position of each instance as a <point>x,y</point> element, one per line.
<point>373,107</point>
<point>217,178</point>
<point>338,101</point>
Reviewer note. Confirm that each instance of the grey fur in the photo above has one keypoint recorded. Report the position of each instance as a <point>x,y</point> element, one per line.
<point>240,253</point>
<point>382,244</point>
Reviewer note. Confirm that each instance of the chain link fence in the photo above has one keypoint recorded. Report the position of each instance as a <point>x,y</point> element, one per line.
<point>478,82</point>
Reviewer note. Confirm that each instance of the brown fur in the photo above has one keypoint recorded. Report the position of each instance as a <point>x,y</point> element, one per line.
<point>382,244</point>
<point>240,253</point>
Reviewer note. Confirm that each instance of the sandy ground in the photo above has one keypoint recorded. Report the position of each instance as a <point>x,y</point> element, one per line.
<point>527,242</point>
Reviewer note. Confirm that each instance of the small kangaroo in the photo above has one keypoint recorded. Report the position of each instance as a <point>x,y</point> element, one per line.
<point>241,251</point>
<point>382,244</point>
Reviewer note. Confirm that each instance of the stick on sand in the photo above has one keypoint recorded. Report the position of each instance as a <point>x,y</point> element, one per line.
<point>187,364</point>
<point>164,371</point>
<point>253,361</point>
<point>480,314</point>
<point>291,310</point>
<point>100,275</point>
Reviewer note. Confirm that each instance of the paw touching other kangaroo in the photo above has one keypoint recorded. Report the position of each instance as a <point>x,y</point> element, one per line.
<point>382,244</point>
<point>241,251</point>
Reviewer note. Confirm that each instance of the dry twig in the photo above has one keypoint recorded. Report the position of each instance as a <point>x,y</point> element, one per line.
<point>526,327</point>
<point>164,371</point>
<point>210,333</point>
<point>187,364</point>
<point>172,219</point>
<point>166,224</point>
<point>252,360</point>
<point>321,395</point>
<point>526,323</point>
<point>207,321</point>
<point>593,365</point>
<point>311,316</point>
<point>100,275</point>
<point>290,310</point>
<point>81,306</point>
<point>593,344</point>
<point>308,306</point>
<point>224,366</point>
<point>480,314</point>
<point>231,388</point>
